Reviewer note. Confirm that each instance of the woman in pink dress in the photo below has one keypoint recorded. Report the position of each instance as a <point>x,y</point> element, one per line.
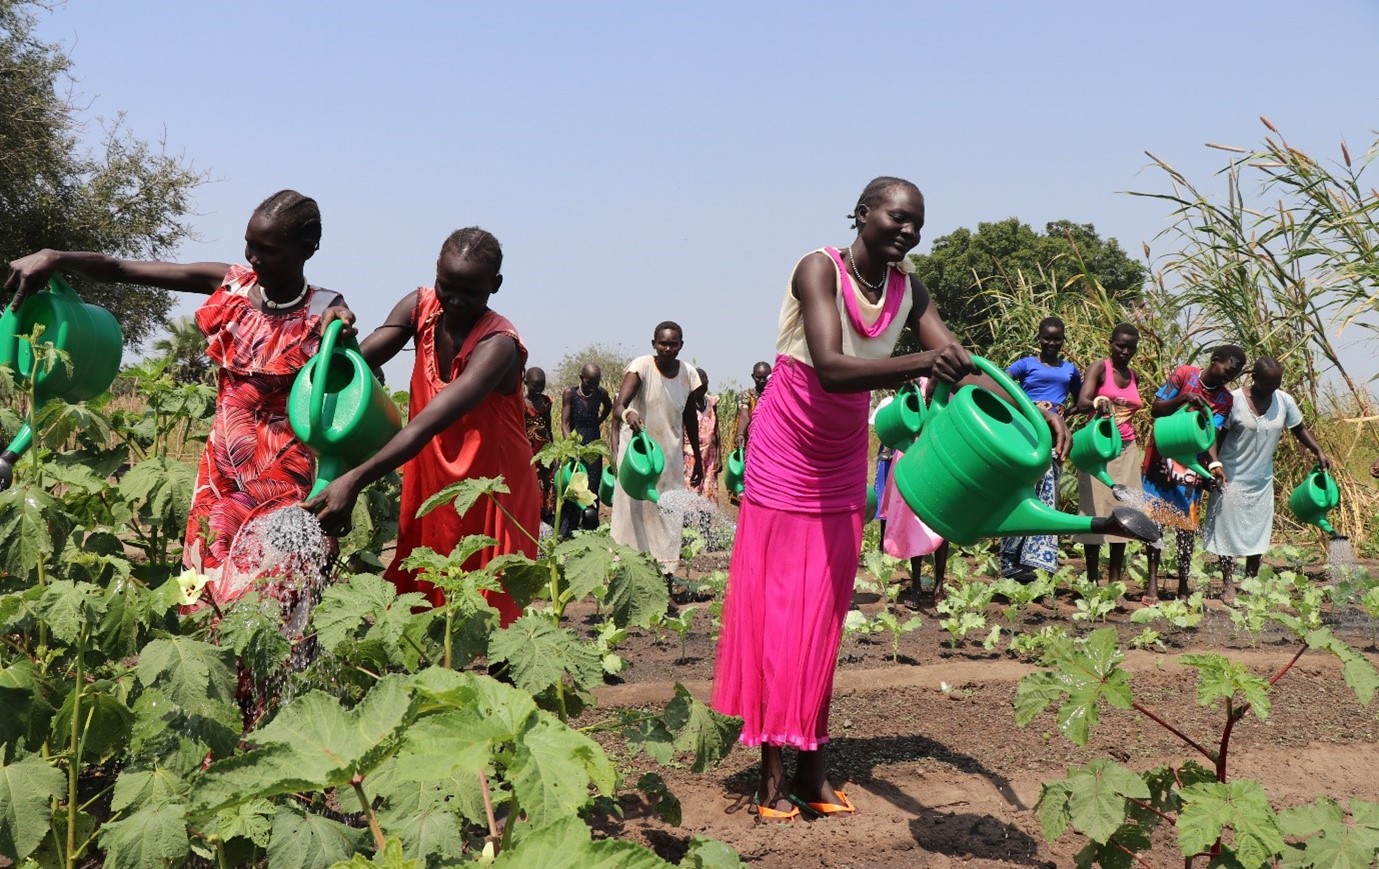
<point>262,322</point>
<point>799,533</point>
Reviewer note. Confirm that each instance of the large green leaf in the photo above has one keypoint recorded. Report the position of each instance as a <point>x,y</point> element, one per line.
<point>33,526</point>
<point>156,835</point>
<point>699,730</point>
<point>431,830</point>
<point>67,607</point>
<point>130,611</point>
<point>1082,675</point>
<point>1329,842</point>
<point>393,856</point>
<point>552,769</point>
<point>586,562</point>
<point>108,730</point>
<point>637,592</point>
<point>1356,669</point>
<point>1241,805</point>
<point>449,743</point>
<point>566,844</point>
<point>197,676</point>
<point>26,788</point>
<point>464,494</point>
<point>488,698</point>
<point>403,796</point>
<point>1096,797</point>
<point>160,490</point>
<point>539,655</point>
<point>311,841</point>
<point>710,854</point>
<point>154,785</point>
<point>313,743</point>
<point>362,601</point>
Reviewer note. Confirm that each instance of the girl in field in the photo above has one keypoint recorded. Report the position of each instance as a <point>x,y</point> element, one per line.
<point>467,419</point>
<point>1049,380</point>
<point>1111,386</point>
<point>799,532</point>
<point>262,322</point>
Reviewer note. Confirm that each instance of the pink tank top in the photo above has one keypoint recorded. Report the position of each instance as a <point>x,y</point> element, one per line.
<point>1130,393</point>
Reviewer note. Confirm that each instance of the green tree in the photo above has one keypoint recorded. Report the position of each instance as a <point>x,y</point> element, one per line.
<point>184,347</point>
<point>611,358</point>
<point>961,264</point>
<point>124,197</point>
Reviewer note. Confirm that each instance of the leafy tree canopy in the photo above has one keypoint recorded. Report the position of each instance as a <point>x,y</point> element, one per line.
<point>1011,252</point>
<point>123,197</point>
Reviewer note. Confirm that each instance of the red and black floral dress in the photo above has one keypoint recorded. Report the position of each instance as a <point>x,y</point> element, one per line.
<point>252,464</point>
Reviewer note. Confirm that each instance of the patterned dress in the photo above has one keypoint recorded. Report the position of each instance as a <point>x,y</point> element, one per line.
<point>252,463</point>
<point>537,409</point>
<point>708,451</point>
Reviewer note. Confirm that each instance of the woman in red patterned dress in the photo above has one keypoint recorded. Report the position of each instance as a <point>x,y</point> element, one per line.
<point>262,322</point>
<point>468,419</point>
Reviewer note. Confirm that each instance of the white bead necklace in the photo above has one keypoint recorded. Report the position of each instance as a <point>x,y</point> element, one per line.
<point>876,287</point>
<point>290,303</point>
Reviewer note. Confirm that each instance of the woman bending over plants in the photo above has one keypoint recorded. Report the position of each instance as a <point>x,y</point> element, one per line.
<point>262,321</point>
<point>468,419</point>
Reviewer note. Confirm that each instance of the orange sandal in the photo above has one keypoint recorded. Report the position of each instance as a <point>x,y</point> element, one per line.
<point>768,815</point>
<point>843,806</point>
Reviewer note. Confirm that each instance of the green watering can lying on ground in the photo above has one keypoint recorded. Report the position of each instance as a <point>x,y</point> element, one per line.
<point>899,421</point>
<point>1183,436</point>
<point>642,464</point>
<point>607,485</point>
<point>1095,444</point>
<point>344,416</point>
<point>735,471</point>
<point>971,472</point>
<point>1314,497</point>
<point>89,334</point>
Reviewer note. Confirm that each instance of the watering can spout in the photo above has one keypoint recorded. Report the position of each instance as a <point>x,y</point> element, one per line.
<point>1127,522</point>
<point>1026,516</point>
<point>1326,526</point>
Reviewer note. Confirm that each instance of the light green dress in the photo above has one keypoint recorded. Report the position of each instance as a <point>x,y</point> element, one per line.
<point>1240,519</point>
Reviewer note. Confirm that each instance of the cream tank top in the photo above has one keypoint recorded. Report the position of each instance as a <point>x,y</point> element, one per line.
<point>790,340</point>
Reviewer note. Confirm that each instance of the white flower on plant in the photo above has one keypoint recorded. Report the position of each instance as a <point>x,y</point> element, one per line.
<point>577,489</point>
<point>189,584</point>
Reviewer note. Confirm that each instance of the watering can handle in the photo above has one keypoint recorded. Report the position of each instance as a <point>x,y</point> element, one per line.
<point>1043,438</point>
<point>318,374</point>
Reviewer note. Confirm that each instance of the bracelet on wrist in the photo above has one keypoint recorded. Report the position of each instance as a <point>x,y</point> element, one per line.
<point>625,412</point>
<point>1214,465</point>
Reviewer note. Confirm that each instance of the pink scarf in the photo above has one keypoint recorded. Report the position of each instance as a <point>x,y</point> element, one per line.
<point>890,297</point>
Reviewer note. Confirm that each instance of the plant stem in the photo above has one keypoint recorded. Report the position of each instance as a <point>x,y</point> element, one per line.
<point>357,782</point>
<point>449,625</point>
<point>75,746</point>
<point>511,822</point>
<point>1173,730</point>
<point>1148,808</point>
<point>488,810</point>
<point>1137,858</point>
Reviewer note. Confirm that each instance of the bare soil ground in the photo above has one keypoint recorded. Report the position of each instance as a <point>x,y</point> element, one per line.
<point>946,778</point>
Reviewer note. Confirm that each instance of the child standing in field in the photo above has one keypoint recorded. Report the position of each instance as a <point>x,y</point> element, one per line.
<point>262,322</point>
<point>537,407</point>
<point>467,419</point>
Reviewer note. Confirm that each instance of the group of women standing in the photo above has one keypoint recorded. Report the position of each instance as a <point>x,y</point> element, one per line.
<point>799,533</point>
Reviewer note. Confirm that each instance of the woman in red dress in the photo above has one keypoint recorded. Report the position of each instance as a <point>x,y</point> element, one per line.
<point>262,323</point>
<point>467,418</point>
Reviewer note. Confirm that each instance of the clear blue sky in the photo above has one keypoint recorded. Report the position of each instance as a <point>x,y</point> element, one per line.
<point>649,161</point>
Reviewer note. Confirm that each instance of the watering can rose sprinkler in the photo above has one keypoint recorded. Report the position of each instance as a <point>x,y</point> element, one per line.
<point>88,334</point>
<point>971,471</point>
<point>339,409</point>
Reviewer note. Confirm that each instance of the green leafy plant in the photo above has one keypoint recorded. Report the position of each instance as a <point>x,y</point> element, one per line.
<point>964,607</point>
<point>1225,820</point>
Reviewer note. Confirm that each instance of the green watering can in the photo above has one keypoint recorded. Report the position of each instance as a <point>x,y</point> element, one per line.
<point>971,472</point>
<point>1183,436</point>
<point>607,484</point>
<point>1095,444</point>
<point>89,334</point>
<point>642,464</point>
<point>1314,497</point>
<point>869,511</point>
<point>344,416</point>
<point>735,471</point>
<point>568,470</point>
<point>899,421</point>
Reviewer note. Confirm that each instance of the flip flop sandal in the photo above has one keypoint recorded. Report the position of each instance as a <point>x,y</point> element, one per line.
<point>843,806</point>
<point>768,815</point>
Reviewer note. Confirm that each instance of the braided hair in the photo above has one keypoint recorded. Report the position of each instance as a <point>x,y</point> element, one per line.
<point>476,244</point>
<point>875,192</point>
<point>298,216</point>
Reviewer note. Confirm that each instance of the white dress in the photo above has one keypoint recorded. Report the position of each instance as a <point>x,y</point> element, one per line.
<point>1240,519</point>
<point>661,403</point>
